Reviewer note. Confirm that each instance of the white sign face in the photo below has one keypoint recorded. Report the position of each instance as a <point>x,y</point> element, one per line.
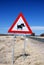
<point>20,25</point>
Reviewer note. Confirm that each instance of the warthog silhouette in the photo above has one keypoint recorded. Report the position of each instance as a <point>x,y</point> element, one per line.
<point>20,26</point>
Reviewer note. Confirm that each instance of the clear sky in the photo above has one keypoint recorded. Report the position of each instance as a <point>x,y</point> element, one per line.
<point>33,11</point>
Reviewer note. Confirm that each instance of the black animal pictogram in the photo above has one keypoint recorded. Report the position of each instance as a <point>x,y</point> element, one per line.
<point>20,26</point>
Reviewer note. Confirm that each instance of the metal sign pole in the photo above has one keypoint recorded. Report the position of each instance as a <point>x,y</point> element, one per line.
<point>24,46</point>
<point>13,52</point>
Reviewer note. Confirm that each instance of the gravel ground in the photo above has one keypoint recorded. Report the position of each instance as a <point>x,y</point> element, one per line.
<point>34,51</point>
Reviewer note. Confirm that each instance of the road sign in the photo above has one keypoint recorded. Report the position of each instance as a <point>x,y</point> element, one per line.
<point>20,25</point>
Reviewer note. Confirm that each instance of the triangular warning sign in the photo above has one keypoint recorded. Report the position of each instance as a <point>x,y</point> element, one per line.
<point>20,25</point>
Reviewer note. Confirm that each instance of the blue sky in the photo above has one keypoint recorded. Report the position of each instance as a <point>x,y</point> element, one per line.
<point>33,11</point>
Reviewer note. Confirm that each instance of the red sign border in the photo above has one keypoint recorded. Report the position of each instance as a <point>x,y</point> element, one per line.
<point>23,32</point>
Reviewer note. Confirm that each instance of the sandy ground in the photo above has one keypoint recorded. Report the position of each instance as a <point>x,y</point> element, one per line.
<point>34,51</point>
